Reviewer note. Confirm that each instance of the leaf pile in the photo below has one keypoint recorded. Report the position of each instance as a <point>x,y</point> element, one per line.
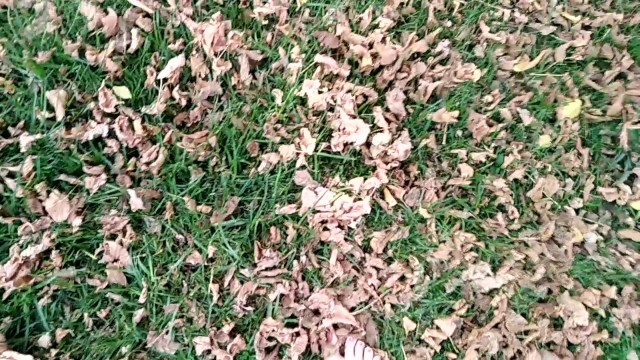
<point>439,156</point>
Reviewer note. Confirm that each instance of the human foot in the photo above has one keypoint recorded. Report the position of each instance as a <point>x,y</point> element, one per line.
<point>354,349</point>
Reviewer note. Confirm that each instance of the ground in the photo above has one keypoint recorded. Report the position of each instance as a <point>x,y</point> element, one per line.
<point>443,179</point>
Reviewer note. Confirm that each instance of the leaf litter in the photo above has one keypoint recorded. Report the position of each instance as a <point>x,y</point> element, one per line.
<point>535,204</point>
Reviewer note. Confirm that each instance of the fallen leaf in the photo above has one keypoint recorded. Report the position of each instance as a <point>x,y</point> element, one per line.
<point>174,66</point>
<point>122,92</point>
<point>58,99</point>
<point>408,325</point>
<point>116,255</point>
<point>162,343</point>
<point>144,293</point>
<point>62,333</point>
<point>194,259</point>
<point>44,341</point>
<point>135,202</point>
<point>525,65</point>
<point>570,110</point>
<point>58,206</point>
<point>443,116</point>
<point>388,197</point>
<point>544,141</point>
<point>116,276</point>
<point>395,102</point>
<point>138,315</point>
<point>574,19</point>
<point>573,312</point>
<point>106,100</point>
<point>635,205</point>
<point>12,355</point>
<point>202,344</point>
<point>629,234</point>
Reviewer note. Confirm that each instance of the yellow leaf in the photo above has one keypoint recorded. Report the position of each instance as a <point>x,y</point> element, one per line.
<point>544,141</point>
<point>391,201</point>
<point>424,213</point>
<point>526,65</point>
<point>122,92</point>
<point>574,19</point>
<point>408,325</point>
<point>635,205</point>
<point>571,110</point>
<point>578,235</point>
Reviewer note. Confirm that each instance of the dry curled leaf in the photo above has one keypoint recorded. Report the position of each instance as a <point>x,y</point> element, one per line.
<point>408,325</point>
<point>525,65</point>
<point>58,99</point>
<point>173,67</point>
<point>629,234</point>
<point>58,206</point>
<point>135,202</point>
<point>122,92</point>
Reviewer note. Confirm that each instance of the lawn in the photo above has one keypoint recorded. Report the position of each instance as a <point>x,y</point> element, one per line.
<point>235,179</point>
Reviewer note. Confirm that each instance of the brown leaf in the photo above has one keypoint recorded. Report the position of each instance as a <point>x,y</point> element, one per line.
<point>202,344</point>
<point>58,206</point>
<point>94,183</point>
<point>12,355</point>
<point>443,116</point>
<point>144,293</point>
<point>194,259</point>
<point>327,39</point>
<point>135,202</point>
<point>408,325</point>
<point>115,255</point>
<point>573,312</point>
<point>395,102</point>
<point>630,234</point>
<point>58,99</point>
<point>138,315</point>
<point>524,65</point>
<point>615,109</point>
<point>116,276</point>
<point>447,325</point>
<point>106,100</point>
<point>173,67</point>
<point>62,333</point>
<point>44,341</point>
<point>162,343</point>
<point>110,23</point>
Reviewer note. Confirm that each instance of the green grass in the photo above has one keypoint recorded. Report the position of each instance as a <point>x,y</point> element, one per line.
<point>238,118</point>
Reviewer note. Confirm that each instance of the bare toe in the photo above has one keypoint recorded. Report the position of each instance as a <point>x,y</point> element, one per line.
<point>350,348</point>
<point>368,353</point>
<point>330,348</point>
<point>359,351</point>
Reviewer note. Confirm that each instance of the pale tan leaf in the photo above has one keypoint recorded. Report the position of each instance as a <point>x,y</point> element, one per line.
<point>138,315</point>
<point>44,341</point>
<point>162,343</point>
<point>629,234</point>
<point>58,99</point>
<point>525,65</point>
<point>122,92</point>
<point>202,344</point>
<point>174,66</point>
<point>135,202</point>
<point>58,206</point>
<point>194,259</point>
<point>408,325</point>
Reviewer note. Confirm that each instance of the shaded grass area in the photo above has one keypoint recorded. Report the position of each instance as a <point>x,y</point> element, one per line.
<point>158,259</point>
